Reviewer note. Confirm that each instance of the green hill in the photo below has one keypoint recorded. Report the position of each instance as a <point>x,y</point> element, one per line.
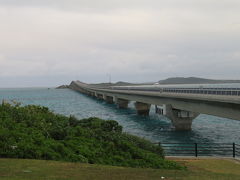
<point>194,80</point>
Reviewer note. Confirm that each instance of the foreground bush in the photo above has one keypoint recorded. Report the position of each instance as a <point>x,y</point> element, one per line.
<point>34,132</point>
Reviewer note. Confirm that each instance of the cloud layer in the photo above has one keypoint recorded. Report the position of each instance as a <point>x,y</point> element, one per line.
<point>51,42</point>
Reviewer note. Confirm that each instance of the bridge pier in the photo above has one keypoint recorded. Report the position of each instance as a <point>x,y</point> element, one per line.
<point>89,93</point>
<point>121,103</point>
<point>108,99</point>
<point>181,120</point>
<point>100,96</point>
<point>159,110</point>
<point>142,108</point>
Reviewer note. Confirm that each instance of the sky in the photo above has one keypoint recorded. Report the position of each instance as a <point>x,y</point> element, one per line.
<point>52,42</point>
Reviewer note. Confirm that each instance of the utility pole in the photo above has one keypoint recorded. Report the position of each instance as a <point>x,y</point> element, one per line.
<point>110,78</point>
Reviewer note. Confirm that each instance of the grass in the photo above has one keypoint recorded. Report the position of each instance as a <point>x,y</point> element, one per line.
<point>40,169</point>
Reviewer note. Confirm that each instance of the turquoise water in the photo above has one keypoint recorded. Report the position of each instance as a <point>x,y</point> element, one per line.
<point>157,128</point>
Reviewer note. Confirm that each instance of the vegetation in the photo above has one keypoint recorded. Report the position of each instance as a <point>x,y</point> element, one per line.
<point>34,132</point>
<point>198,169</point>
<point>194,80</point>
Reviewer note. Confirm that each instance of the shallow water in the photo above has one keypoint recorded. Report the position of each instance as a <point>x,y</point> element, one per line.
<point>157,128</point>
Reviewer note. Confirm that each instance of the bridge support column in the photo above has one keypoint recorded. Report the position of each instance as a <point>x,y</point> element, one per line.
<point>142,108</point>
<point>159,110</point>
<point>100,96</point>
<point>181,120</point>
<point>108,99</point>
<point>121,103</point>
<point>104,97</point>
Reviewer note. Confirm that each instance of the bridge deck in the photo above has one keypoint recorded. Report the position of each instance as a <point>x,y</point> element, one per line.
<point>227,106</point>
<point>204,97</point>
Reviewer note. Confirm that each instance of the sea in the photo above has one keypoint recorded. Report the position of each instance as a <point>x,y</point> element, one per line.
<point>155,127</point>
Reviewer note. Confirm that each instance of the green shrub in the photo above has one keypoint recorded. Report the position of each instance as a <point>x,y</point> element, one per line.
<point>34,132</point>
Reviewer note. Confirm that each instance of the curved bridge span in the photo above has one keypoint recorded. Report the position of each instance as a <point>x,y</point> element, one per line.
<point>181,107</point>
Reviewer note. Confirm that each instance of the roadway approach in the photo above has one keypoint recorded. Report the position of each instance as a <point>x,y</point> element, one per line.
<point>180,108</point>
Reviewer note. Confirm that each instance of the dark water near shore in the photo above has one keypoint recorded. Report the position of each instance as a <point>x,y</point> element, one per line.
<point>205,128</point>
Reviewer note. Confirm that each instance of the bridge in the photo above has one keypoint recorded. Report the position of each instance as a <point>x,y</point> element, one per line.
<point>180,105</point>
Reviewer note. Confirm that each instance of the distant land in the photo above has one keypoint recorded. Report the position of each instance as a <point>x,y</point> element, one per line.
<point>62,87</point>
<point>119,83</point>
<point>194,80</point>
<point>173,80</point>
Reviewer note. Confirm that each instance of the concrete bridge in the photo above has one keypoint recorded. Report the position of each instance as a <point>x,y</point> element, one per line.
<point>180,108</point>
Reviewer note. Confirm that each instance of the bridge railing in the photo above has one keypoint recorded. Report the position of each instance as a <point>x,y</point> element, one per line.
<point>210,91</point>
<point>201,149</point>
<point>220,91</point>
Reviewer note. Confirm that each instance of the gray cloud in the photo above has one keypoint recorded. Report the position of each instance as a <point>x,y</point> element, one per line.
<point>55,41</point>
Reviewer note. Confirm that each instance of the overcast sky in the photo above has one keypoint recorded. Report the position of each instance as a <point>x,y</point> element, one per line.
<point>51,42</point>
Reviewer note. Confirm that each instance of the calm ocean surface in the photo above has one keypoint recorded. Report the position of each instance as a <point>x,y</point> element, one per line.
<point>157,128</point>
